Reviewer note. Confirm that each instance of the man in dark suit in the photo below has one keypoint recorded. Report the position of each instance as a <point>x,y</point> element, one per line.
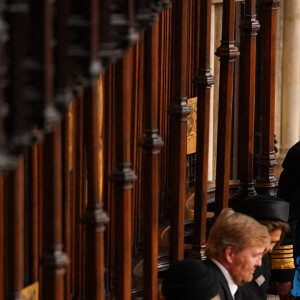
<point>235,247</point>
<point>273,213</point>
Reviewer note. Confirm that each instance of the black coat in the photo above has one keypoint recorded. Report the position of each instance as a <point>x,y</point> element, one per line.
<point>257,288</point>
<point>225,293</point>
<point>289,190</point>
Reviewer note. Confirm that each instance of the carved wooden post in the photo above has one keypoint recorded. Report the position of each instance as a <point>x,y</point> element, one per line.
<point>15,232</point>
<point>203,81</point>
<point>178,137</point>
<point>79,195</point>
<point>123,177</point>
<point>32,195</point>
<point>266,181</point>
<point>53,260</point>
<point>94,218</point>
<point>151,143</point>
<point>249,27</point>
<point>227,53</point>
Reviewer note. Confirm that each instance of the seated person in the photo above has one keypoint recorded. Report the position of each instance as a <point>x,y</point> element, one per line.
<point>190,279</point>
<point>235,246</point>
<point>272,212</point>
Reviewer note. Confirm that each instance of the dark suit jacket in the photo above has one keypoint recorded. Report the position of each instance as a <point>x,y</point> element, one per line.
<point>225,293</point>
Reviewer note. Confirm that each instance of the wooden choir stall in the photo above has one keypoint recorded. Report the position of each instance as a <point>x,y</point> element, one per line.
<point>121,140</point>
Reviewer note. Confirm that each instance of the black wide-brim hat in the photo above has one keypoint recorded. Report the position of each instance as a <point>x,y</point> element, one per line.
<point>189,279</point>
<point>265,207</point>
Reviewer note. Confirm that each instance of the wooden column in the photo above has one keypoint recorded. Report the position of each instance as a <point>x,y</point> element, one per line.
<point>203,81</point>
<point>227,53</point>
<point>94,218</point>
<point>123,177</point>
<point>33,218</point>
<point>14,229</point>
<point>151,143</point>
<point>53,260</point>
<point>69,206</point>
<point>266,181</point>
<point>178,132</point>
<point>249,27</point>
<point>79,190</point>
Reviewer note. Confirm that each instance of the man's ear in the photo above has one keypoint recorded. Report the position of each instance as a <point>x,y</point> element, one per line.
<point>229,254</point>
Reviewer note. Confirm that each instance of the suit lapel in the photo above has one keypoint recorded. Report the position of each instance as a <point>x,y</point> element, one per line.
<point>223,282</point>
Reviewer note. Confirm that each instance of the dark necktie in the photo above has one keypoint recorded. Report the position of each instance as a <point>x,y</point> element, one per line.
<point>237,295</point>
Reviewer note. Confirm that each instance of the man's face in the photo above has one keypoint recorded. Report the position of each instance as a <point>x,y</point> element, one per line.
<point>274,238</point>
<point>243,263</point>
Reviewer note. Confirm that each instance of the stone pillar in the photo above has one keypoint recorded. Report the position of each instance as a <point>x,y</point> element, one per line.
<point>291,76</point>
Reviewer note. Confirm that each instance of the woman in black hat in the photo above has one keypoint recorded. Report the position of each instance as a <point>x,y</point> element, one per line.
<point>272,212</point>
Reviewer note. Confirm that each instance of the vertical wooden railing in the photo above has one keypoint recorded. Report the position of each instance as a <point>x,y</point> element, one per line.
<point>53,260</point>
<point>266,181</point>
<point>68,197</point>
<point>203,81</point>
<point>33,209</point>
<point>249,27</point>
<point>227,53</point>
<point>123,177</point>
<point>94,217</point>
<point>151,143</point>
<point>178,132</point>
<point>80,193</point>
<point>14,229</point>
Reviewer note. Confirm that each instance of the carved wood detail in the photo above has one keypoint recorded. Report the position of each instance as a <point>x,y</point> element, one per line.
<point>227,53</point>
<point>178,132</point>
<point>249,27</point>
<point>203,81</point>
<point>266,182</point>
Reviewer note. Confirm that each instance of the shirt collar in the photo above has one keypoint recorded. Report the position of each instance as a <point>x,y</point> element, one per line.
<point>232,285</point>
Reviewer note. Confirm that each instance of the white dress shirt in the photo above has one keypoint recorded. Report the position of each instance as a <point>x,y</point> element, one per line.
<point>232,285</point>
